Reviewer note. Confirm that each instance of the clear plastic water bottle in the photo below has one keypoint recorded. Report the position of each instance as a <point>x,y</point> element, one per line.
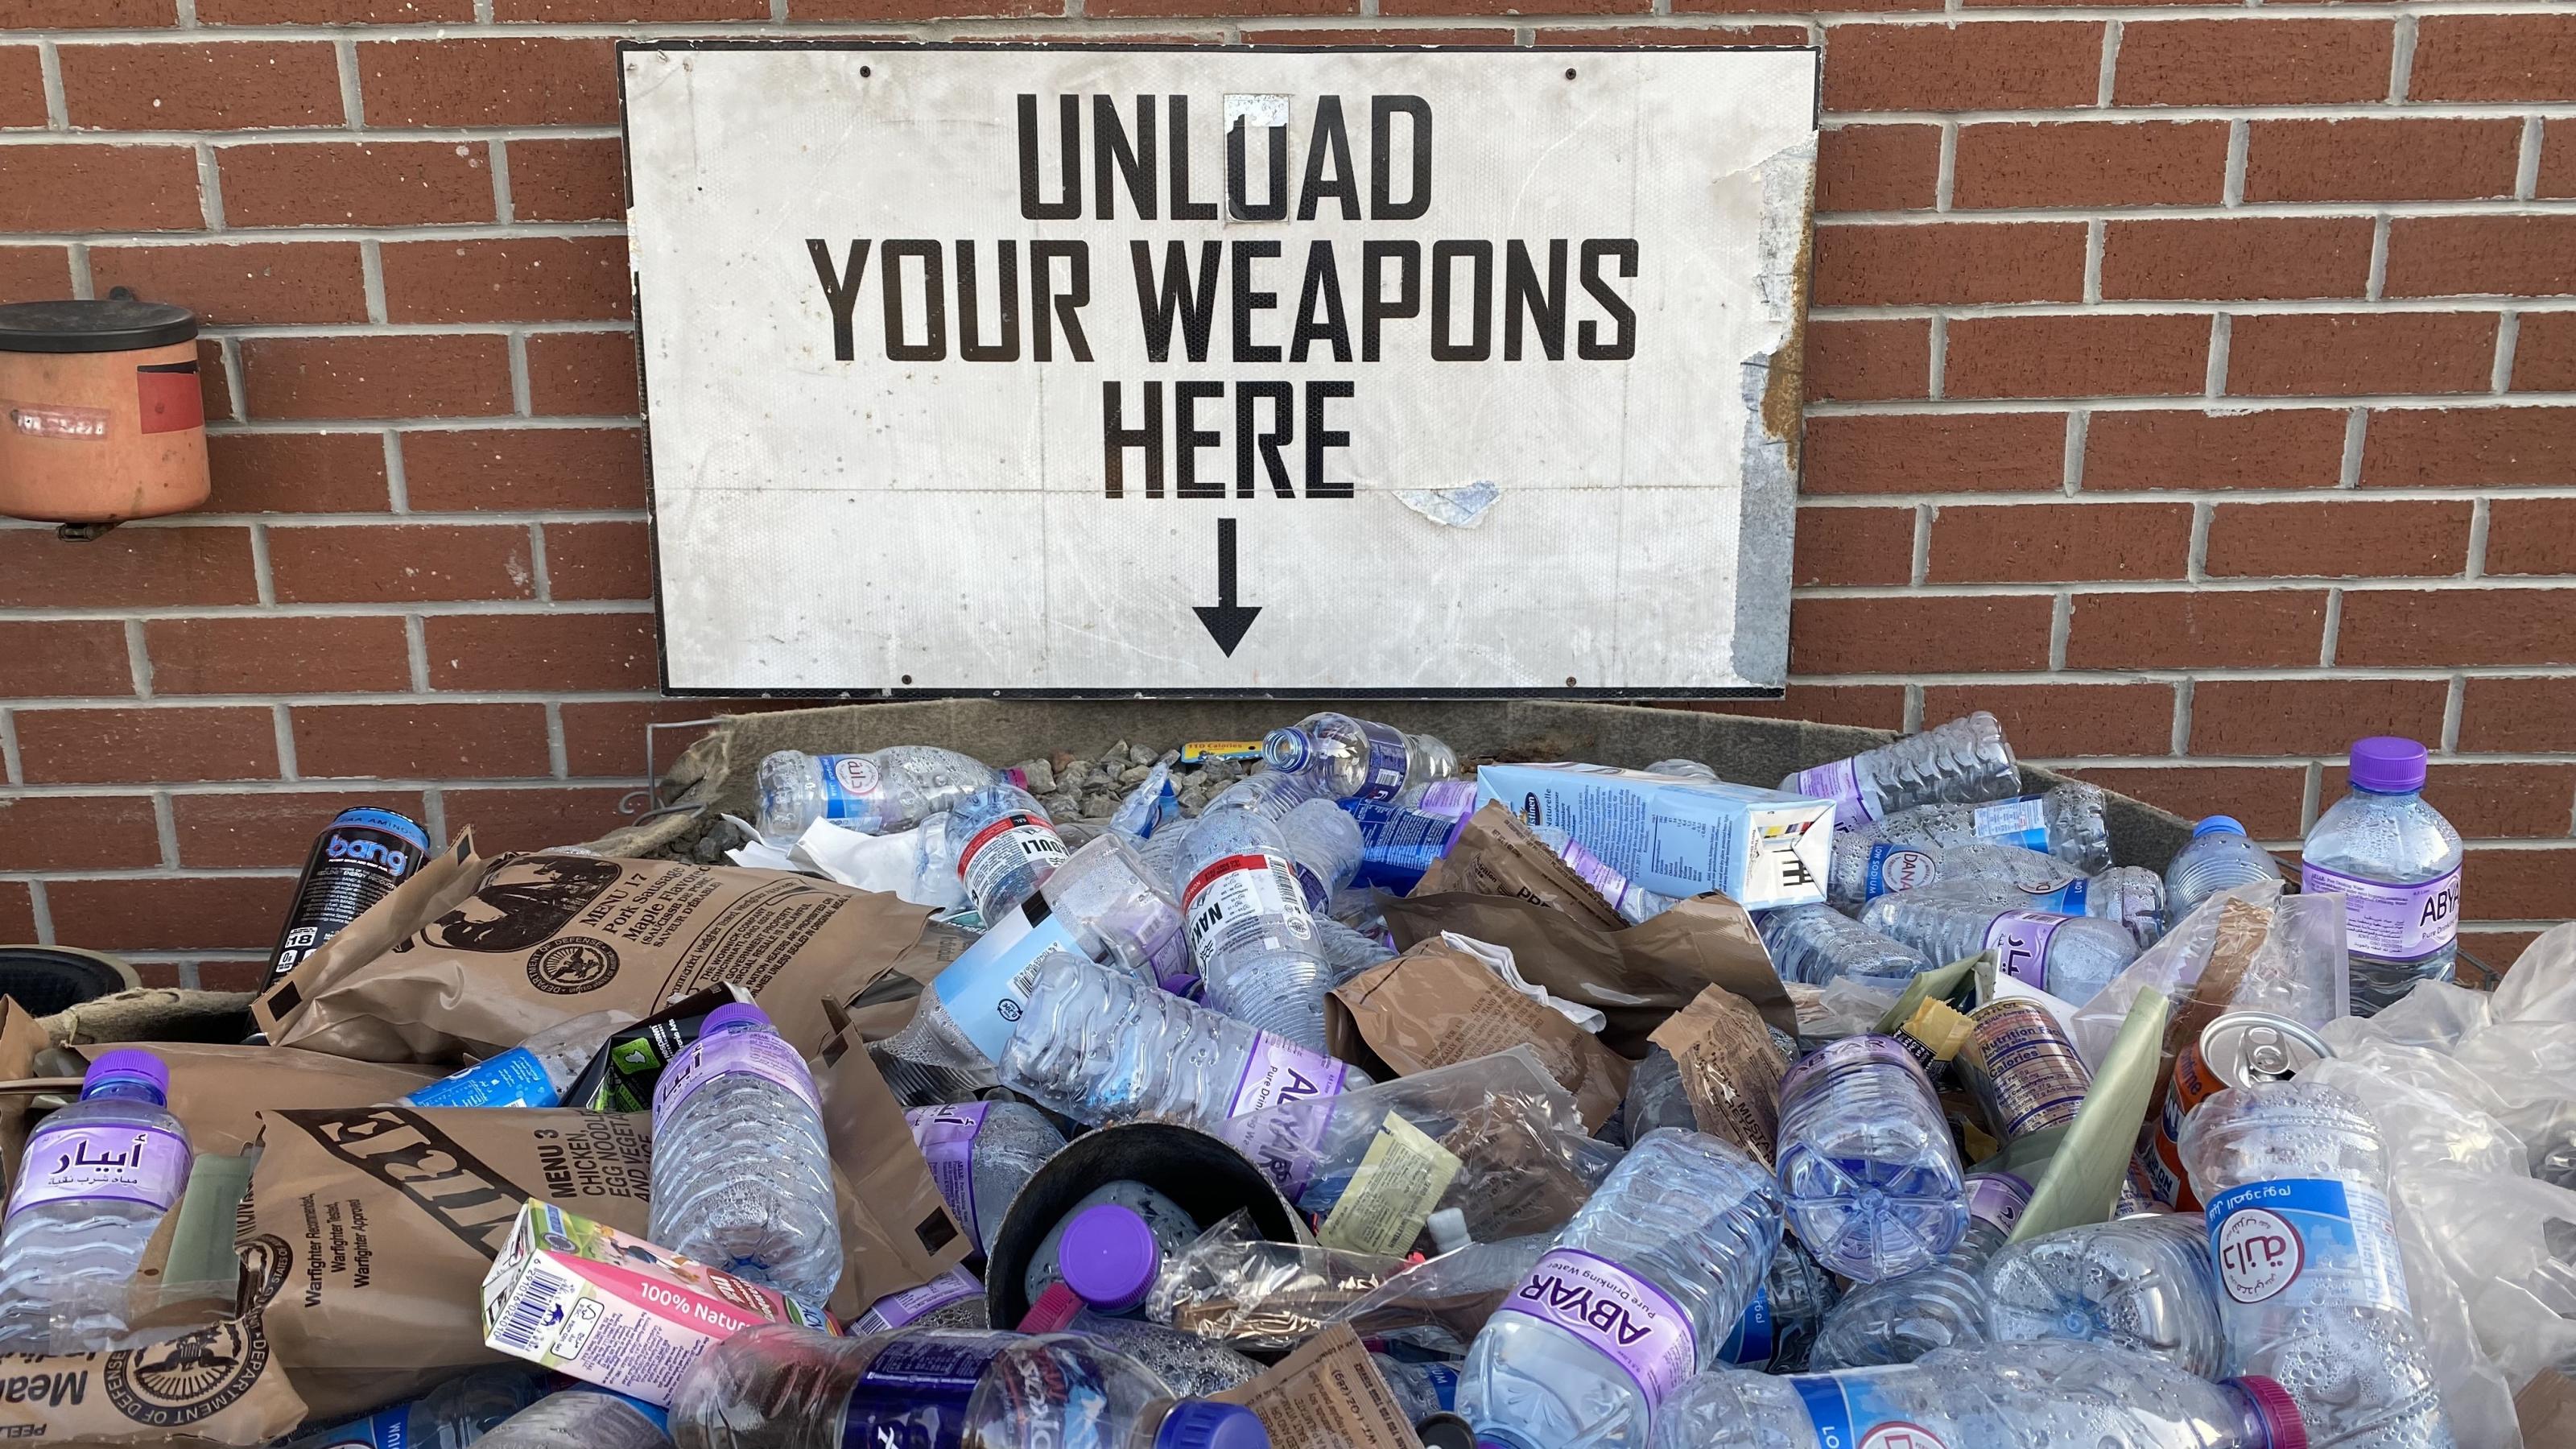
<point>1006,847</point>
<point>1100,1046</point>
<point>1269,794</point>
<point>2065,821</point>
<point>1816,944</point>
<point>1348,951</point>
<point>886,790</point>
<point>2142,1283</point>
<point>2019,1396</point>
<point>1687,769</point>
<point>1147,808</point>
<point>1898,1320</point>
<point>1655,1096</point>
<point>1324,847</point>
<point>779,1387</point>
<point>1354,759</point>
<point>93,1185</point>
<point>2218,858</point>
<point>2312,1289</point>
<point>1421,1389</point>
<point>2396,863</point>
<point>535,1073</point>
<point>1633,902</point>
<point>1962,762</point>
<point>1121,909</point>
<point>583,1418</point>
<point>1778,1330</point>
<point>2069,957</point>
<point>742,1178</point>
<point>1867,1164</point>
<point>458,1413</point>
<point>2132,896</point>
<point>955,1299</point>
<point>1250,933</point>
<point>981,1154</point>
<point>1631,1301</point>
<point>1192,1366</point>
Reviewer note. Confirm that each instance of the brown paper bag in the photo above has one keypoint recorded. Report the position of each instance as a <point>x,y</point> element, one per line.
<point>1327,1395</point>
<point>381,1222</point>
<point>492,952</point>
<point>218,1385</point>
<point>1436,1004</point>
<point>1730,1071</point>
<point>20,1040</point>
<point>1636,976</point>
<point>896,1230</point>
<point>1496,855</point>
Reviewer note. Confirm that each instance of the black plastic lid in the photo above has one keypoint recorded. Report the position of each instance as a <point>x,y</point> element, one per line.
<point>108,325</point>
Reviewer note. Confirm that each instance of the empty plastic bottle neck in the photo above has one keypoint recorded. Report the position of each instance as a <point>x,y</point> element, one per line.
<point>124,1089</point>
<point>2269,1419</point>
<point>1287,749</point>
<point>2218,825</point>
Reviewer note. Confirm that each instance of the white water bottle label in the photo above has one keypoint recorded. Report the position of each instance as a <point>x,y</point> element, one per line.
<point>2014,822</point>
<point>762,1054</point>
<point>2304,1241</point>
<point>1630,1321</point>
<point>1246,902</point>
<point>1854,1413</point>
<point>1017,839</point>
<point>2391,922</point>
<point>102,1162</point>
<point>1896,868</point>
<point>2019,940</point>
<point>849,786</point>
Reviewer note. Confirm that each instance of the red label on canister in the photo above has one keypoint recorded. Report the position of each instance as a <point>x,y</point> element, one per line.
<point>2193,1084</point>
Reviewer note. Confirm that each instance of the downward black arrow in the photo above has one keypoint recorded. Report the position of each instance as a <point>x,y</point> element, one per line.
<point>1226,620</point>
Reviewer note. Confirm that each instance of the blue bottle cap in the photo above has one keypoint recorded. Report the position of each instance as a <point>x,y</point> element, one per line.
<point>2218,825</point>
<point>1199,1424</point>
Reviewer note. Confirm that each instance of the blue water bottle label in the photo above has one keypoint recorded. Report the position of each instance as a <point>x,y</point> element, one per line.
<point>1386,761</point>
<point>913,1394</point>
<point>2065,900</point>
<point>2022,822</point>
<point>986,989</point>
<point>384,1429</point>
<point>1847,1414</point>
<point>2294,1242</point>
<point>515,1078</point>
<point>1753,1341</point>
<point>1897,868</point>
<point>1444,1384</point>
<point>1398,844</point>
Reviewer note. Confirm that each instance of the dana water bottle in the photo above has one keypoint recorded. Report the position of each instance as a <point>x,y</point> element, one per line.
<point>1006,847</point>
<point>2218,858</point>
<point>1815,944</point>
<point>742,1178</point>
<point>891,789</point>
<point>1898,1320</point>
<point>1962,762</point>
<point>2142,1283</point>
<point>1250,933</point>
<point>779,1387</point>
<point>981,1154</point>
<point>93,1184</point>
<point>2396,863</point>
<point>1353,759</point>
<point>1634,1298</point>
<point>2311,1286</point>
<point>1992,1396</point>
<point>582,1418</point>
<point>535,1073</point>
<point>2069,957</point>
<point>1867,1166</point>
<point>2064,821</point>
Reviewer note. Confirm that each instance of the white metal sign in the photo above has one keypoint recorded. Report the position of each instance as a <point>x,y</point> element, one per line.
<point>1094,370</point>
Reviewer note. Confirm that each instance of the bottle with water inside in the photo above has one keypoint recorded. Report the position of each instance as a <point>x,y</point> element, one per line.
<point>535,1073</point>
<point>2218,858</point>
<point>742,1178</point>
<point>94,1182</point>
<point>981,1154</point>
<point>1867,1164</point>
<point>1815,944</point>
<point>1631,1301</point>
<point>885,790</point>
<point>583,1418</point>
<point>1250,932</point>
<point>2142,1283</point>
<point>1961,762</point>
<point>2396,863</point>
<point>1006,848</point>
<point>2064,821</point>
<point>1354,759</point>
<point>2312,1290</point>
<point>2069,957</point>
<point>1898,1320</point>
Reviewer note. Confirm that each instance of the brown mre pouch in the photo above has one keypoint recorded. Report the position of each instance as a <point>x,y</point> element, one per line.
<point>1496,855</point>
<point>1730,1070</point>
<point>1436,1004</point>
<point>218,1385</point>
<point>896,1230</point>
<point>217,1092</point>
<point>1327,1395</point>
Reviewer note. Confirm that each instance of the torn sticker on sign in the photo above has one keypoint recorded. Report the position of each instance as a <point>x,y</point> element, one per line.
<point>1452,507</point>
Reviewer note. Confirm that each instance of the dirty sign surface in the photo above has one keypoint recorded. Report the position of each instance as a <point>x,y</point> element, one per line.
<point>1102,370</point>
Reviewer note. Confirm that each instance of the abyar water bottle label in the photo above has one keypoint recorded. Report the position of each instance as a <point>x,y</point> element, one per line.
<point>1818,1066</point>
<point>1753,1341</point>
<point>1283,1144</point>
<point>1630,1321</point>
<point>1017,839</point>
<point>1386,761</point>
<point>515,1078</point>
<point>762,1054</point>
<point>1245,902</point>
<point>2297,1241</point>
<point>2020,940</point>
<point>897,1309</point>
<point>1838,782</point>
<point>1282,1071</point>
<point>849,786</point>
<point>2022,822</point>
<point>2391,922</point>
<point>1897,868</point>
<point>1849,1414</point>
<point>946,1136</point>
<point>102,1162</point>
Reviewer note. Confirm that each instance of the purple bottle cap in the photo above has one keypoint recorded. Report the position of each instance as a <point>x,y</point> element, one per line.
<point>2218,825</point>
<point>2280,1415</point>
<point>132,1066</point>
<point>731,1014</point>
<point>1110,1257</point>
<point>2387,764</point>
<point>1199,1424</point>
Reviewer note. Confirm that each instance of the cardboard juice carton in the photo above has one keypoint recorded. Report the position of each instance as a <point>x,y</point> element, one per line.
<point>1679,836</point>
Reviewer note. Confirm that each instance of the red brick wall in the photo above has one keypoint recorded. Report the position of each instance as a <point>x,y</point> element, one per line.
<point>2194,386</point>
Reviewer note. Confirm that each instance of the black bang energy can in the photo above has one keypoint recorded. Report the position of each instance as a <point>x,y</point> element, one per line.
<point>354,864</point>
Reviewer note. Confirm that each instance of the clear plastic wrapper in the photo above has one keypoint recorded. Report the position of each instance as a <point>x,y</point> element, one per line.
<point>1259,1296</point>
<point>2299,971</point>
<point>1440,1304</point>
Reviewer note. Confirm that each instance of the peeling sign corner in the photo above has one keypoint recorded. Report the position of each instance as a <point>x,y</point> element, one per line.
<point>1786,250</point>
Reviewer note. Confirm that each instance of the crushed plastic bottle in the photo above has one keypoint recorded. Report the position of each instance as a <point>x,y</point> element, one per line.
<point>2312,1289</point>
<point>535,1073</point>
<point>981,1154</point>
<point>778,1387</point>
<point>1688,769</point>
<point>1347,951</point>
<point>892,789</point>
<point>1867,1165</point>
<point>583,1418</point>
<point>1818,944</point>
<point>955,1299</point>
<point>2064,821</point>
<point>742,1178</point>
<point>2069,957</point>
<point>1324,847</point>
<point>1898,1320</point>
<point>2022,1396</point>
<point>1099,1046</point>
<point>2142,1283</point>
<point>1962,762</point>
<point>1656,1097</point>
<point>1251,934</point>
<point>1421,1389</point>
<point>93,1184</point>
<point>1634,903</point>
<point>1778,1330</point>
<point>1864,870</point>
<point>456,1414</point>
<point>1634,1298</point>
<point>2218,858</point>
<point>2396,863</point>
<point>1149,807</point>
<point>1353,759</point>
<point>1006,848</point>
<point>1119,908</point>
<point>1400,839</point>
<point>1194,1367</point>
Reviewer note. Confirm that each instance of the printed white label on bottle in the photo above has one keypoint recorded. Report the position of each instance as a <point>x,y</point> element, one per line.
<point>2271,1239</point>
<point>1246,902</point>
<point>1855,1413</point>
<point>986,989</point>
<point>1630,1321</point>
<point>762,1054</point>
<point>1016,840</point>
<point>2014,822</point>
<point>2391,922</point>
<point>102,1162</point>
<point>1896,868</point>
<point>2019,940</point>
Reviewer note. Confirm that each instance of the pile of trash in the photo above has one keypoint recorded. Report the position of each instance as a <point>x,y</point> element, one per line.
<point>1318,1092</point>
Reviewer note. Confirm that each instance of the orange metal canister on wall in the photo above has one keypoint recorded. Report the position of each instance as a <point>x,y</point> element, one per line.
<point>100,416</point>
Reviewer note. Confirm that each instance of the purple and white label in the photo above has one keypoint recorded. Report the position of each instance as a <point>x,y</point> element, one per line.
<point>2019,940</point>
<point>946,1137</point>
<point>102,1162</point>
<point>761,1054</point>
<point>1850,1051</point>
<point>1282,1071</point>
<point>1998,1197</point>
<point>897,1309</point>
<point>1838,782</point>
<point>1633,1323</point>
<point>2391,922</point>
